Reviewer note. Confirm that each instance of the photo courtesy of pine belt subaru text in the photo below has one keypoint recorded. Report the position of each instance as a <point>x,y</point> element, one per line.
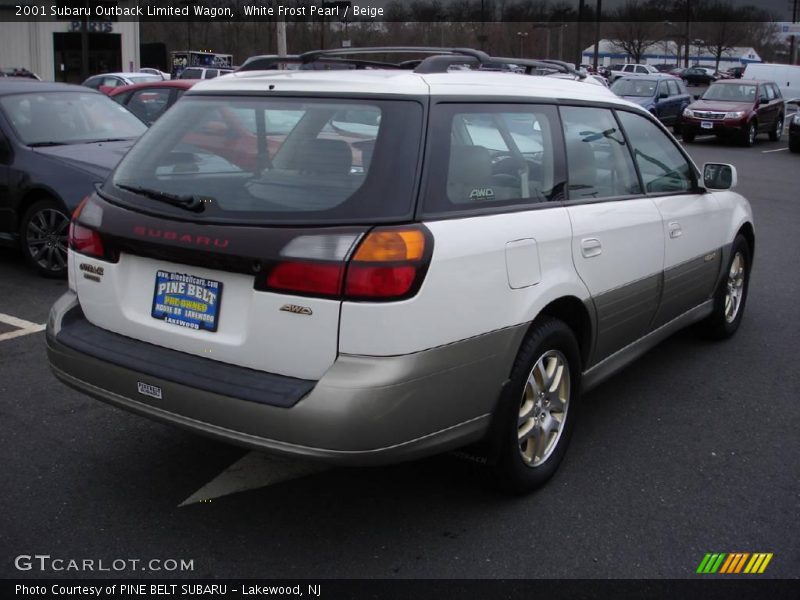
<point>371,265</point>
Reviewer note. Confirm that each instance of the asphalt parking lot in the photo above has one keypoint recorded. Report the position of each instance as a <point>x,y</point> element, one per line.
<point>693,449</point>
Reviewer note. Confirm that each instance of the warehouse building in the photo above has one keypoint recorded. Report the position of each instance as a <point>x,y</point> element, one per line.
<point>668,52</point>
<point>67,49</point>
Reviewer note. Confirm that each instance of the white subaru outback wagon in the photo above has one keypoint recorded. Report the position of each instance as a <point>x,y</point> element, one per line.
<point>371,265</point>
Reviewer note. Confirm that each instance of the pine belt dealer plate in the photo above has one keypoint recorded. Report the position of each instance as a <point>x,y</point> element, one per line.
<point>187,300</point>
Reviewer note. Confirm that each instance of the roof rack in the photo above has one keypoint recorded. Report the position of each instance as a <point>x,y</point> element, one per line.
<point>440,61</point>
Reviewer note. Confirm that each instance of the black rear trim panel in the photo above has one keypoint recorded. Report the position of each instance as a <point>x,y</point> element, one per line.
<point>193,371</point>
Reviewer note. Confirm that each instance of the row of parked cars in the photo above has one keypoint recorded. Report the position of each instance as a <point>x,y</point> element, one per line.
<point>57,140</point>
<point>731,108</point>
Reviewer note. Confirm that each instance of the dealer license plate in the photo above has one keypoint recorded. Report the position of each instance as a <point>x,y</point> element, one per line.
<point>706,125</point>
<point>187,300</point>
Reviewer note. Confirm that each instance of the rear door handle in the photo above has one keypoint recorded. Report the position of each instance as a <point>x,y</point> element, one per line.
<point>675,230</point>
<point>591,247</point>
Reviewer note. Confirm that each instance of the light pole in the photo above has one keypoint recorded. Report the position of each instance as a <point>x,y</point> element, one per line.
<point>597,17</point>
<point>522,35</point>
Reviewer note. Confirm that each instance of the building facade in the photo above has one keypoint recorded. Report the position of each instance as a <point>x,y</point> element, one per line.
<point>668,52</point>
<point>54,49</point>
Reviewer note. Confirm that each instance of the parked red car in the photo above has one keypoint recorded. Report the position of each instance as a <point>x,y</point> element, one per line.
<point>151,99</point>
<point>740,108</point>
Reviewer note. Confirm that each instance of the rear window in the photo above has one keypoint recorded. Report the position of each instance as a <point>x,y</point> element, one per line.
<point>279,160</point>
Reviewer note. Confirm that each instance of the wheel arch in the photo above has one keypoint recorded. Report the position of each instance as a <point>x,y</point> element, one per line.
<point>747,231</point>
<point>576,315</point>
<point>35,194</point>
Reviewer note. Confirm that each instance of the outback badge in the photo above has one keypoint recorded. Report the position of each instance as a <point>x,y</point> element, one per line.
<point>296,309</point>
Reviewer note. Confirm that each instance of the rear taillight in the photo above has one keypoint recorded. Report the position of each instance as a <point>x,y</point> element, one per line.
<point>85,240</point>
<point>324,279</point>
<point>389,263</point>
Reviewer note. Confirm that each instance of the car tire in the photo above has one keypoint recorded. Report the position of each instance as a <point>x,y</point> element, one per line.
<point>687,135</point>
<point>749,134</point>
<point>43,238</point>
<point>549,353</point>
<point>731,295</point>
<point>777,132</point>
<point>794,144</point>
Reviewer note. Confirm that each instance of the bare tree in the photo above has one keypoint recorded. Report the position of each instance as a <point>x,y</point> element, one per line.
<point>635,28</point>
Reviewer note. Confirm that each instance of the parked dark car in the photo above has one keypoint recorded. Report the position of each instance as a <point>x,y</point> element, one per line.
<point>736,72</point>
<point>663,95</point>
<point>150,100</point>
<point>740,108</point>
<point>19,72</point>
<point>664,67</point>
<point>56,142</point>
<point>699,76</point>
<point>794,131</point>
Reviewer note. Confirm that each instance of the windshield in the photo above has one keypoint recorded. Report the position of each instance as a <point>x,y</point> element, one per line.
<point>644,88</point>
<point>740,92</point>
<point>55,118</point>
<point>279,160</point>
<point>143,77</point>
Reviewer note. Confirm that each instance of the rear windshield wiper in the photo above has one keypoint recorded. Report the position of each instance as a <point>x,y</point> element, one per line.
<point>194,203</point>
<point>44,144</point>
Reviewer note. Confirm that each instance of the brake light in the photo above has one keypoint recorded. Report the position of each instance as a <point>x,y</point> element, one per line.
<point>389,263</point>
<point>324,279</point>
<point>81,238</point>
<point>86,241</point>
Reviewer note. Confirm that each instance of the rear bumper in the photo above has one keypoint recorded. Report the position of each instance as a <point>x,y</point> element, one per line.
<point>364,410</point>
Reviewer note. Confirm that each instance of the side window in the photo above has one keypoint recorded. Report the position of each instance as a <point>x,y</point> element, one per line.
<point>674,90</point>
<point>149,103</point>
<point>776,90</point>
<point>762,93</point>
<point>641,69</point>
<point>661,164</point>
<point>210,74</point>
<point>599,164</point>
<point>121,98</point>
<point>769,92</point>
<point>493,156</point>
<point>93,82</point>
<point>111,82</point>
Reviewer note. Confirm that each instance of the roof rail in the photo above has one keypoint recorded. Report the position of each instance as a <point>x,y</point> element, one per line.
<point>440,61</point>
<point>274,61</point>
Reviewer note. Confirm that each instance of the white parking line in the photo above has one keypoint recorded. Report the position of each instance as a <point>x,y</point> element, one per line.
<point>776,150</point>
<point>24,327</point>
<point>254,470</point>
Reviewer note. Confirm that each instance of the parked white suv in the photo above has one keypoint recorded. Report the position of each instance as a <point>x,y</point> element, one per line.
<point>370,266</point>
<point>634,70</point>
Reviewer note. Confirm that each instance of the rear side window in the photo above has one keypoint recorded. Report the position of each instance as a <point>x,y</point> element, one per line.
<point>599,164</point>
<point>663,167</point>
<point>149,103</point>
<point>279,160</point>
<point>492,156</point>
<point>776,90</point>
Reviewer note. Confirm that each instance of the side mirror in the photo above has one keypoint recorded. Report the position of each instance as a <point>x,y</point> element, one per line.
<point>697,96</point>
<point>719,176</point>
<point>762,100</point>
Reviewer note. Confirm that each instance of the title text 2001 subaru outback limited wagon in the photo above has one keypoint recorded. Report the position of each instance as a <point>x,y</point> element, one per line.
<point>368,266</point>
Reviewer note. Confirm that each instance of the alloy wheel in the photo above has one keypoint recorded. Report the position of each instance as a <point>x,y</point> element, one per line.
<point>46,238</point>
<point>543,408</point>
<point>735,287</point>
